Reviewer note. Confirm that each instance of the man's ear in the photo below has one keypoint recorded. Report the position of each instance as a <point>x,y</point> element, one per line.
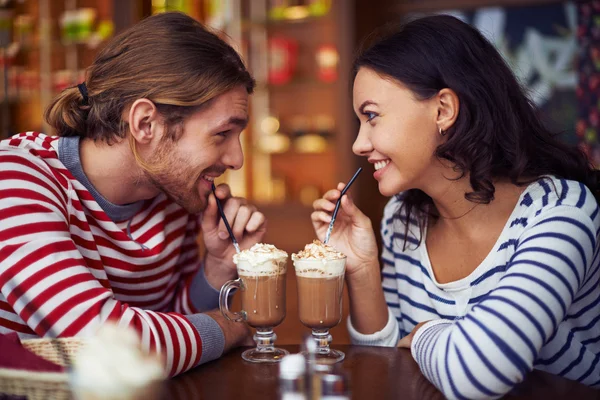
<point>143,121</point>
<point>448,108</point>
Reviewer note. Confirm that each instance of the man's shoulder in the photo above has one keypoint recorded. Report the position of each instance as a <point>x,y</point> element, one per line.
<point>31,144</point>
<point>30,153</point>
<point>30,140</point>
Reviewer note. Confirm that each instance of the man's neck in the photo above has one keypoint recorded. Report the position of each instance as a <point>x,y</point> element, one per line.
<point>113,172</point>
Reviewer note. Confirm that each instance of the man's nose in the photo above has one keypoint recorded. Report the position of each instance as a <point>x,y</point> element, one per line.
<point>234,157</point>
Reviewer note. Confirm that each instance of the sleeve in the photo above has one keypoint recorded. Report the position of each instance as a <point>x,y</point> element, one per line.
<point>390,334</point>
<point>46,281</point>
<point>490,350</point>
<point>195,294</point>
<point>387,337</point>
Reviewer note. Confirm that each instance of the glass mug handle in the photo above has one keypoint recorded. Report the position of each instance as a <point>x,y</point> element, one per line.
<point>223,303</point>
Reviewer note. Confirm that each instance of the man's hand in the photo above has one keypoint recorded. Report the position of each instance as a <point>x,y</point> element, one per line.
<point>248,225</point>
<point>236,333</point>
<point>406,341</point>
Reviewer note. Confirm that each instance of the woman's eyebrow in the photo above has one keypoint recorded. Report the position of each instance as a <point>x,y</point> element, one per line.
<point>361,109</point>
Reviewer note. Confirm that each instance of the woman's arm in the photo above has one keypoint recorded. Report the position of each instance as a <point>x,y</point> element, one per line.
<point>495,345</point>
<point>358,322</point>
<point>353,235</point>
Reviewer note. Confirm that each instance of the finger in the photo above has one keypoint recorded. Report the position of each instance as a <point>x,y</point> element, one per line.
<point>223,191</point>
<point>323,205</point>
<point>230,209</point>
<point>257,235</point>
<point>332,195</point>
<point>256,222</point>
<point>210,215</point>
<point>320,216</point>
<point>349,196</point>
<point>405,342</point>
<point>341,186</point>
<point>241,220</point>
<point>350,208</point>
<point>357,217</point>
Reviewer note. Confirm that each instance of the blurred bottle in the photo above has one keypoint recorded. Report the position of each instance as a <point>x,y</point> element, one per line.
<point>333,386</point>
<point>292,372</point>
<point>324,382</point>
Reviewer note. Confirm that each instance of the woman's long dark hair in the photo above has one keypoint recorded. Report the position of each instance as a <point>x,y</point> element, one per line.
<point>497,132</point>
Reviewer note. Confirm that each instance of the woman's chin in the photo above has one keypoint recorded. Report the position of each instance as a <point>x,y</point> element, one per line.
<point>390,190</point>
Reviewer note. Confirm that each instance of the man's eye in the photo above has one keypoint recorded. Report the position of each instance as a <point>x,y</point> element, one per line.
<point>224,133</point>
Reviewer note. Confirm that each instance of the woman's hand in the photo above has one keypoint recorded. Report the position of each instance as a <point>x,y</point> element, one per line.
<point>352,232</point>
<point>406,341</point>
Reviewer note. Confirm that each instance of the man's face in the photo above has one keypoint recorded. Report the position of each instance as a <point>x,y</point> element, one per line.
<point>208,146</point>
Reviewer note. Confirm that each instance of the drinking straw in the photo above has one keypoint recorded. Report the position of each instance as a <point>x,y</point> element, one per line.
<point>235,243</point>
<point>337,205</point>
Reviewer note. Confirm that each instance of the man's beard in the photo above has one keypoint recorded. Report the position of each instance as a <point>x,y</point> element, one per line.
<point>175,180</point>
<point>180,191</point>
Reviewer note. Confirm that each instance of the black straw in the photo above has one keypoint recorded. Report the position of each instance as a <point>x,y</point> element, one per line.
<point>235,243</point>
<point>337,204</point>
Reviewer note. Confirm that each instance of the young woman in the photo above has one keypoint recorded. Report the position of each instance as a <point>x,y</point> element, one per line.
<point>490,239</point>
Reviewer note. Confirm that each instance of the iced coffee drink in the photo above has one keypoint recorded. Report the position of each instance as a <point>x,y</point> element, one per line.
<point>261,283</point>
<point>320,276</point>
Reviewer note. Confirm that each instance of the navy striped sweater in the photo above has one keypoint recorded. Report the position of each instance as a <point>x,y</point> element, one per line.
<point>534,302</point>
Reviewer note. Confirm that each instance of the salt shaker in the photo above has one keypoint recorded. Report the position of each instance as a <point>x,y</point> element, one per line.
<point>292,382</point>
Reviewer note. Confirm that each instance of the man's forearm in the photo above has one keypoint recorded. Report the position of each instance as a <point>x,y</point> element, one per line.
<point>235,333</point>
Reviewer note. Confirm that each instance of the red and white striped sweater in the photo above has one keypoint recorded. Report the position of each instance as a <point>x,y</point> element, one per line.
<point>66,267</point>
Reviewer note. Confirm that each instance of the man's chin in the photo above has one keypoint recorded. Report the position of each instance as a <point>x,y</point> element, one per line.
<point>194,208</point>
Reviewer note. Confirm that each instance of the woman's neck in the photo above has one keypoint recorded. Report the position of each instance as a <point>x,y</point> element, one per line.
<point>465,217</point>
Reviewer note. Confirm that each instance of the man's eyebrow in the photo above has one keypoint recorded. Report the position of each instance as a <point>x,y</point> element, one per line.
<point>361,109</point>
<point>241,122</point>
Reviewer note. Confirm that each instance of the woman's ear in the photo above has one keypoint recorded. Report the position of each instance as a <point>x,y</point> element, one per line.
<point>143,121</point>
<point>448,108</point>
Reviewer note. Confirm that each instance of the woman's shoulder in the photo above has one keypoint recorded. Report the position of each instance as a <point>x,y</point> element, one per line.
<point>549,192</point>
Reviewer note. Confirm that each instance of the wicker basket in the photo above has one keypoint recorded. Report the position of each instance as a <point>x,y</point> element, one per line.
<point>37,385</point>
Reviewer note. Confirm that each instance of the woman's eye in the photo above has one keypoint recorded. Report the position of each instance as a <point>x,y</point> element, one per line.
<point>370,115</point>
<point>223,133</point>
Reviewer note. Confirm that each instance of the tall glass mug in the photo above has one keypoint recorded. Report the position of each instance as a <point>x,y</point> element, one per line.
<point>261,283</point>
<point>320,276</point>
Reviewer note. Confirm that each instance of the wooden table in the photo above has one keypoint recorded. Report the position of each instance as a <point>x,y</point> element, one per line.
<point>375,373</point>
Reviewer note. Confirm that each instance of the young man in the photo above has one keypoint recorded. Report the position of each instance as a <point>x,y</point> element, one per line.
<point>100,222</point>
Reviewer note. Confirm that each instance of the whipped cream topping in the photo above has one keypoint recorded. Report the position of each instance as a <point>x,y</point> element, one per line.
<point>113,363</point>
<point>319,260</point>
<point>261,259</point>
<point>318,250</point>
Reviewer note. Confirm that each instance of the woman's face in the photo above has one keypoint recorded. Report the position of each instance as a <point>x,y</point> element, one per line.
<point>398,133</point>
